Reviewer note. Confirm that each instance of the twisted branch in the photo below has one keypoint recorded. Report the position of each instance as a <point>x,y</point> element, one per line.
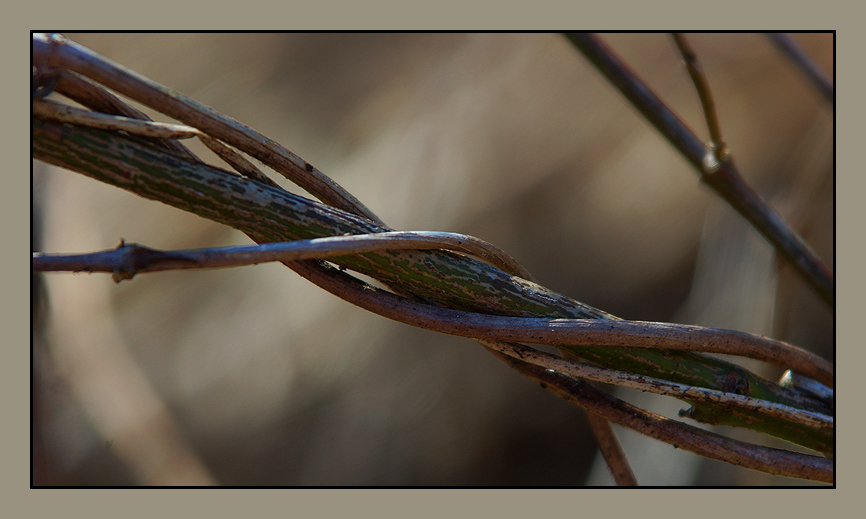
<point>443,291</point>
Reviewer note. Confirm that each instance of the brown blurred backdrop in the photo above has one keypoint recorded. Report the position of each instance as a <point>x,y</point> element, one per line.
<point>253,376</point>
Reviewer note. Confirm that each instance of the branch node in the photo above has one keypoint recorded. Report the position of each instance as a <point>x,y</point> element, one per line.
<point>126,269</point>
<point>711,164</point>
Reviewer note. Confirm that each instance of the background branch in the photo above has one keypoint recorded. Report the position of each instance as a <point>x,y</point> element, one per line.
<point>724,178</point>
<point>612,451</point>
<point>789,46</point>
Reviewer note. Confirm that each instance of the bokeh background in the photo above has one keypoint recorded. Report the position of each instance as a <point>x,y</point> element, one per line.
<point>253,376</point>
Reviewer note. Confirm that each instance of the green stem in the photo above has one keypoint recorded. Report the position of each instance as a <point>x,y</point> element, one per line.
<point>438,277</point>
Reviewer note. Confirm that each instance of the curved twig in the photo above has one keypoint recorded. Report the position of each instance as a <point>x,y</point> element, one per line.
<point>237,161</point>
<point>151,129</point>
<point>388,305</point>
<point>128,260</point>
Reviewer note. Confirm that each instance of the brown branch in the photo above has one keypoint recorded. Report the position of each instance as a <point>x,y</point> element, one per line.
<point>722,177</point>
<point>821,81</point>
<point>149,129</point>
<point>611,451</point>
<point>126,261</point>
<point>563,365</point>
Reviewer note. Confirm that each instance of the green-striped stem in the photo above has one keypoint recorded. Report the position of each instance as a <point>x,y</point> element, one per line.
<point>441,278</point>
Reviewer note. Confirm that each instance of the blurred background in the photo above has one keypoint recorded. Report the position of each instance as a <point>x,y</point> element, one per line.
<point>253,376</point>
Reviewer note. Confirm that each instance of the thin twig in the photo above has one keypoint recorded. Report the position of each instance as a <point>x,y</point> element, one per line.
<point>237,161</point>
<point>656,386</point>
<point>722,177</point>
<point>807,385</point>
<point>764,459</point>
<point>133,259</point>
<point>611,451</point>
<point>127,260</point>
<point>93,96</point>
<point>56,51</point>
<point>103,102</point>
<point>693,65</point>
<point>154,130</point>
<point>822,81</point>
